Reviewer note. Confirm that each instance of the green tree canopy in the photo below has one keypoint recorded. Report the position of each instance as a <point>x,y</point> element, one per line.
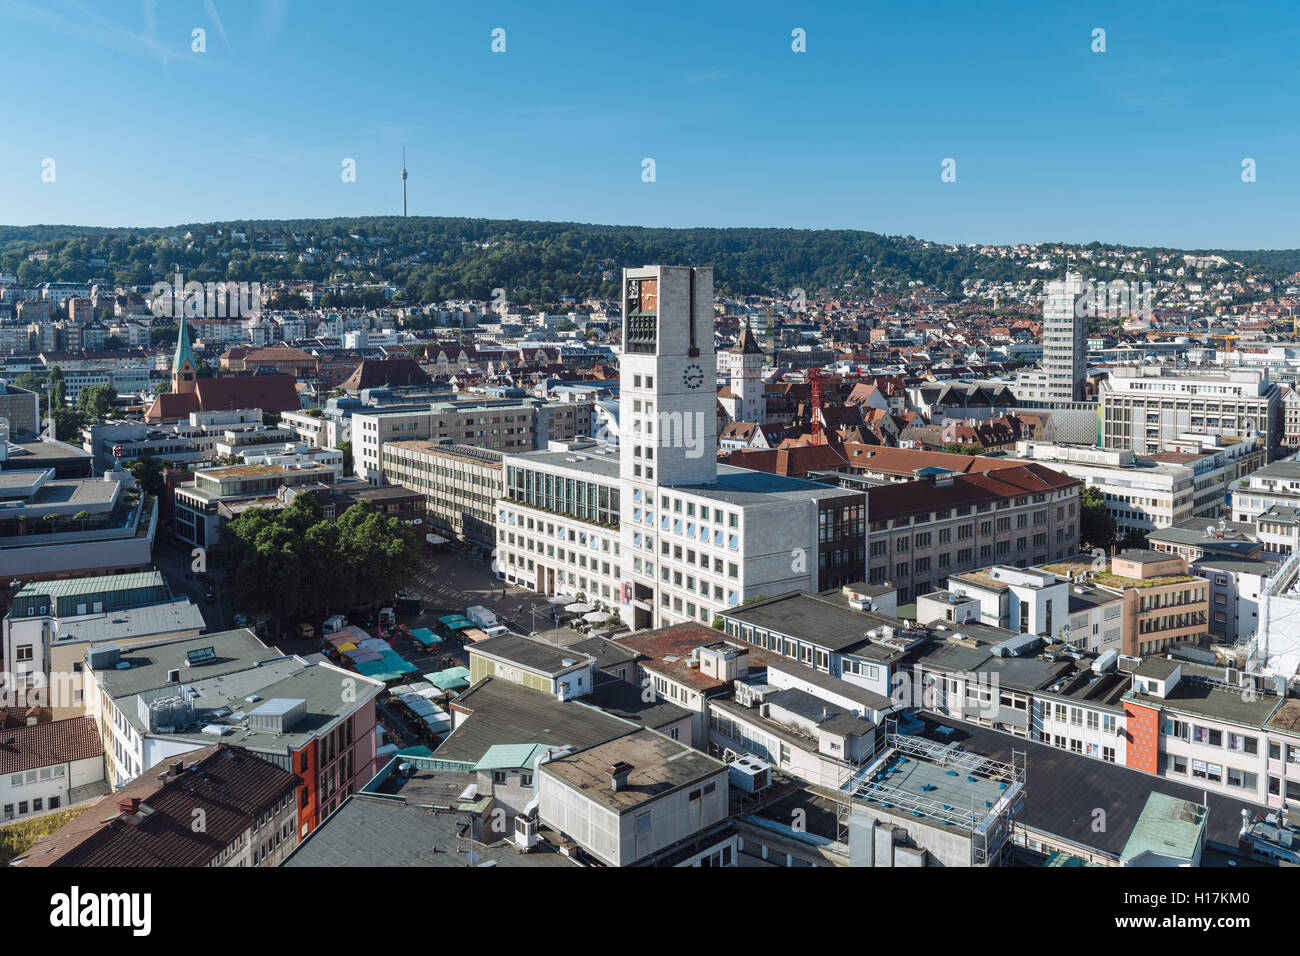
<point>1096,523</point>
<point>293,562</point>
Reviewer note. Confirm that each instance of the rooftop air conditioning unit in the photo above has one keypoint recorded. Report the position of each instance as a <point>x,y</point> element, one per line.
<point>526,835</point>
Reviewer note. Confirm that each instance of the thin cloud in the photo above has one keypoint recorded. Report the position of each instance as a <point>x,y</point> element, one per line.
<point>215,17</point>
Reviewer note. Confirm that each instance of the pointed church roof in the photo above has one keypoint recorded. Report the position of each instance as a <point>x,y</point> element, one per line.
<point>746,344</point>
<point>184,352</point>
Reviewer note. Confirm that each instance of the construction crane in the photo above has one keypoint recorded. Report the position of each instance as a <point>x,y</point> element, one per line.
<point>1227,348</point>
<point>815,381</point>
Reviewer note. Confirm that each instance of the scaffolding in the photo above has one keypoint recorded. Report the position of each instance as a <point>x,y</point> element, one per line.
<point>990,827</point>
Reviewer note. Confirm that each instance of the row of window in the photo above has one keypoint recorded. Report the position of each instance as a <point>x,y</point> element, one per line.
<point>21,808</point>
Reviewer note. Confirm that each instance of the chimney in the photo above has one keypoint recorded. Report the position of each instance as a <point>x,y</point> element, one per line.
<point>618,775</point>
<point>129,805</point>
<point>177,767</point>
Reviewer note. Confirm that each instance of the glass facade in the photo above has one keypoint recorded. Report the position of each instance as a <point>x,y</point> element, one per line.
<point>575,497</point>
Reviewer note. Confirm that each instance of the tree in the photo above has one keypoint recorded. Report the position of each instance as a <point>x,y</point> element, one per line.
<point>83,517</point>
<point>1096,523</point>
<point>293,562</point>
<point>147,471</point>
<point>95,402</point>
<point>346,448</point>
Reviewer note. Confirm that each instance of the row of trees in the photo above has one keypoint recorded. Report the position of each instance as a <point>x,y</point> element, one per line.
<point>294,563</point>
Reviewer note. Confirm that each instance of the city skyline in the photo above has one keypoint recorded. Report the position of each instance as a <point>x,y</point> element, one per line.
<point>1051,140</point>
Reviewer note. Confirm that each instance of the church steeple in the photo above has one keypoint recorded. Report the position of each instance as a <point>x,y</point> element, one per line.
<point>185,368</point>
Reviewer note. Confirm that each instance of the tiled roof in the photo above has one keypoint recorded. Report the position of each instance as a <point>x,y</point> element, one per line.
<point>59,741</point>
<point>910,497</point>
<point>398,371</point>
<point>231,787</point>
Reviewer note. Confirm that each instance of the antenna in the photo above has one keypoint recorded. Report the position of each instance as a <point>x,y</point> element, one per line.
<point>403,182</point>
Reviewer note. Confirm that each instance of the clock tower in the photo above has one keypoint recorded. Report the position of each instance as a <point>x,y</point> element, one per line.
<point>668,421</point>
<point>668,424</point>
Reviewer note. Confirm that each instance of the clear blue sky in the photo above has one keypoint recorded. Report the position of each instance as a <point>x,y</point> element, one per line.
<point>1141,144</point>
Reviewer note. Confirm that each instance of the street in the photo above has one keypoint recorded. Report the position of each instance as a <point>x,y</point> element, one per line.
<point>174,559</point>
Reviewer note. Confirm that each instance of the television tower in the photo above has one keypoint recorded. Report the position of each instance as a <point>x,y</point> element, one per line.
<point>403,181</point>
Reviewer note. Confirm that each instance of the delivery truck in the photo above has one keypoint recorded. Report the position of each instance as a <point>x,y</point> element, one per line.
<point>481,616</point>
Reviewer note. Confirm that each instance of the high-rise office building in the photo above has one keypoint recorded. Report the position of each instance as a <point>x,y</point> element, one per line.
<point>655,525</point>
<point>1065,339</point>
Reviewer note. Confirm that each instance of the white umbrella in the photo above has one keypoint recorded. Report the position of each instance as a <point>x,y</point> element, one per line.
<point>557,598</point>
<point>578,607</point>
<point>597,617</point>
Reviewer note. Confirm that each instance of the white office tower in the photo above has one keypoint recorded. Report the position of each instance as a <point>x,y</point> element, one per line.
<point>668,381</point>
<point>1065,339</point>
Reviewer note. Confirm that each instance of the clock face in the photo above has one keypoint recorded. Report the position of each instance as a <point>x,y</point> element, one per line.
<point>693,376</point>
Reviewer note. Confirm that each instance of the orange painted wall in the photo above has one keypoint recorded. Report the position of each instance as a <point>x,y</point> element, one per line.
<point>310,779</point>
<point>1142,728</point>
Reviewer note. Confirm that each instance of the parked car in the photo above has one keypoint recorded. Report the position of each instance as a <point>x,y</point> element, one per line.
<point>210,598</point>
<point>306,630</point>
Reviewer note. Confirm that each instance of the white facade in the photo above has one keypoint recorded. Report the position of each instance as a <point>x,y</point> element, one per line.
<point>1029,602</point>
<point>46,788</point>
<point>1065,335</point>
<point>1144,408</point>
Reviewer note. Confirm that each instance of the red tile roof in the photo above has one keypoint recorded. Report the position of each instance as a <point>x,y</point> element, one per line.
<point>231,787</point>
<point>910,497</point>
<point>397,371</point>
<point>58,741</point>
<point>270,393</point>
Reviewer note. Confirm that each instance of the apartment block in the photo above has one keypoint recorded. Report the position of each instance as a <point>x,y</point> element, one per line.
<point>1164,604</point>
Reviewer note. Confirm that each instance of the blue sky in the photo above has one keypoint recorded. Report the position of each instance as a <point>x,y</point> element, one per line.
<point>1142,144</point>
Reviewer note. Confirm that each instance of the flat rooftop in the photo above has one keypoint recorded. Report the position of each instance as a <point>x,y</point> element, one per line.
<point>502,712</point>
<point>949,786</point>
<point>813,619</point>
<point>176,615</point>
<point>659,765</point>
<point>477,456</point>
<point>232,651</point>
<point>373,831</point>
<point>1192,697</point>
<point>1062,789</point>
<point>534,655</point>
<point>589,461</point>
<point>744,487</point>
